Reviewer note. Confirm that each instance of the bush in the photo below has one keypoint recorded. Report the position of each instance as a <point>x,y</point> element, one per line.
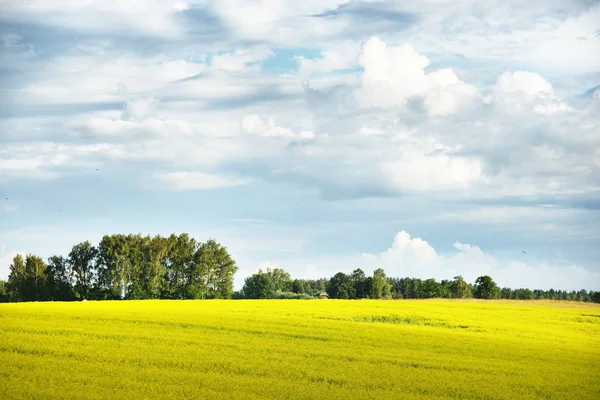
<point>291,296</point>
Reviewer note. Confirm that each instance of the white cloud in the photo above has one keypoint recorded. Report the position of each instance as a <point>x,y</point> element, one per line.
<point>420,172</point>
<point>139,109</point>
<point>575,41</point>
<point>391,150</point>
<point>132,126</point>
<point>446,93</point>
<point>254,124</point>
<point>414,257</point>
<point>394,74</point>
<point>277,21</point>
<point>545,276</point>
<point>340,57</point>
<point>561,36</point>
<point>40,160</point>
<point>522,90</point>
<point>84,79</point>
<point>192,180</point>
<point>424,117</point>
<point>124,16</point>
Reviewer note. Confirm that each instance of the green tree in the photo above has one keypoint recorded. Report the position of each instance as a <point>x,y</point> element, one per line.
<point>180,266</point>
<point>340,287</point>
<point>4,296</point>
<point>506,293</point>
<point>320,285</point>
<point>281,279</point>
<point>35,270</point>
<point>298,286</point>
<point>459,289</point>
<point>136,264</point>
<point>146,266</point>
<point>486,288</point>
<point>527,294</point>
<point>432,289</point>
<point>416,288</point>
<point>27,278</point>
<point>113,264</point>
<point>155,251</point>
<point>360,284</point>
<point>259,286</point>
<point>215,270</point>
<point>16,285</point>
<point>380,288</point>
<point>58,279</point>
<point>82,260</point>
<point>225,271</point>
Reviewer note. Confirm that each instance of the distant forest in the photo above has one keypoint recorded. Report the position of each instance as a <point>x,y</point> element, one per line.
<point>276,283</point>
<point>179,267</point>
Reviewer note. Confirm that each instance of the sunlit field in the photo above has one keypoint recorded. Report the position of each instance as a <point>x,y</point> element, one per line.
<point>277,349</point>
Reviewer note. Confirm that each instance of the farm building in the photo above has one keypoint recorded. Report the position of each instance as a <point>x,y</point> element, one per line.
<point>323,295</point>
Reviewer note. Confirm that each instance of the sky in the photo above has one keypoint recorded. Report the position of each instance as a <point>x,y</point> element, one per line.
<point>430,138</point>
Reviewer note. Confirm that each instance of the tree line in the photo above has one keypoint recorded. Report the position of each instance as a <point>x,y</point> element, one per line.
<point>125,267</point>
<point>276,283</point>
<point>179,267</point>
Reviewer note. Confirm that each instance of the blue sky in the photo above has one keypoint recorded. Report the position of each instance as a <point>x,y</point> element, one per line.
<point>429,138</point>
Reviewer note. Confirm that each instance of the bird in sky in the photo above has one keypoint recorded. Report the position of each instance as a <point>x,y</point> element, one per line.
<point>523,252</point>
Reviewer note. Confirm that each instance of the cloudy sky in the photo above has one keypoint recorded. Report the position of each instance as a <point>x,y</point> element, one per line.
<point>431,138</point>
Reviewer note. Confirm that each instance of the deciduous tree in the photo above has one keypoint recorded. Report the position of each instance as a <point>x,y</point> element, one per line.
<point>486,288</point>
<point>82,260</point>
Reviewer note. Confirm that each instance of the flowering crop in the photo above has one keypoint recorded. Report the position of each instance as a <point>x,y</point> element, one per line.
<point>277,349</point>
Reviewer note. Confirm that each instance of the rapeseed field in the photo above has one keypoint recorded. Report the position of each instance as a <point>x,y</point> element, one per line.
<point>277,349</point>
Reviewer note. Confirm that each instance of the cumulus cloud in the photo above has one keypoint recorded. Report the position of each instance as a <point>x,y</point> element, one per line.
<point>414,257</point>
<point>421,172</point>
<point>471,107</point>
<point>521,90</point>
<point>411,153</point>
<point>394,74</point>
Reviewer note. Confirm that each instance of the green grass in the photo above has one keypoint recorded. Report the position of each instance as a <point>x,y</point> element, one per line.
<point>276,349</point>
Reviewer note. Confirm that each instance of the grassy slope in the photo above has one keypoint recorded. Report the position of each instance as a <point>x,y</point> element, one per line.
<point>300,349</point>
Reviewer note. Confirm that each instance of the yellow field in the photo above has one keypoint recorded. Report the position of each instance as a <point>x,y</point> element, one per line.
<point>277,349</point>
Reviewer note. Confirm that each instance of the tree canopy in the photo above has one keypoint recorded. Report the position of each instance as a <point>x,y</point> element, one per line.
<point>179,267</point>
<point>126,267</point>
